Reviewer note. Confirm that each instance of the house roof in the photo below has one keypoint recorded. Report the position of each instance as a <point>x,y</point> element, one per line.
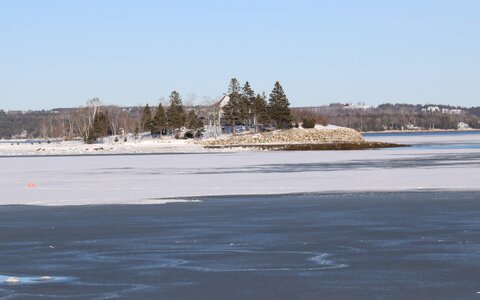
<point>222,102</point>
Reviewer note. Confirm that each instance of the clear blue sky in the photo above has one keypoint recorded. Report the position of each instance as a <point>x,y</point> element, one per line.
<point>61,53</point>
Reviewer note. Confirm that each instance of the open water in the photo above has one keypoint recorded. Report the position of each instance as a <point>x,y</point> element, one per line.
<point>406,245</point>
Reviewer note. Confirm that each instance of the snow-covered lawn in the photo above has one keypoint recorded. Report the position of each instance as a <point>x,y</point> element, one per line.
<point>75,180</point>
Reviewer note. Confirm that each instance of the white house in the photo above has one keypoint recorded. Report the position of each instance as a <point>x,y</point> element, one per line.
<point>214,116</point>
<point>462,126</point>
<point>451,111</point>
<point>431,109</point>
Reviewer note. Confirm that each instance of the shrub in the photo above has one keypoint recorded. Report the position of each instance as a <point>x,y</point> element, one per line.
<point>308,123</point>
<point>188,135</point>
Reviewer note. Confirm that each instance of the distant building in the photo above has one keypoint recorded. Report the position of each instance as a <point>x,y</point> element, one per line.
<point>214,116</point>
<point>431,109</point>
<point>462,126</point>
<point>216,110</point>
<point>22,135</point>
<point>451,111</point>
<point>410,126</point>
<point>359,105</point>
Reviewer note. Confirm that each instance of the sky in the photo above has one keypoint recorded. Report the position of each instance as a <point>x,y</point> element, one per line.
<point>56,53</point>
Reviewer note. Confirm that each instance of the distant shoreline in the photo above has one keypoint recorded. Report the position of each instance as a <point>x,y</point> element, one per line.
<point>246,143</point>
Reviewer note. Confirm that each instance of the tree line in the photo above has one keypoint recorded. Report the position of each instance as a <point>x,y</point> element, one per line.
<point>95,120</point>
<point>167,121</point>
<point>243,108</point>
<point>247,108</point>
<point>390,116</point>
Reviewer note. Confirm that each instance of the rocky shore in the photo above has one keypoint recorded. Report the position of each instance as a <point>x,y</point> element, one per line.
<point>291,136</point>
<point>298,139</point>
<point>330,138</point>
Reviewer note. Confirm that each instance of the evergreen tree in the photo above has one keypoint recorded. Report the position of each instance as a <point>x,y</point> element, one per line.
<point>159,121</point>
<point>246,102</point>
<point>175,113</point>
<point>259,110</point>
<point>99,128</point>
<point>101,125</point>
<point>234,87</point>
<point>231,111</point>
<point>278,108</point>
<point>193,121</point>
<point>195,124</point>
<point>147,119</point>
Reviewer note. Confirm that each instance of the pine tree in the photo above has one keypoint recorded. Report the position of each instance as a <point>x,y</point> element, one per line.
<point>101,125</point>
<point>278,108</point>
<point>99,128</point>
<point>193,121</point>
<point>147,119</point>
<point>228,113</point>
<point>159,121</point>
<point>259,110</point>
<point>234,87</point>
<point>231,111</point>
<point>246,102</point>
<point>175,113</point>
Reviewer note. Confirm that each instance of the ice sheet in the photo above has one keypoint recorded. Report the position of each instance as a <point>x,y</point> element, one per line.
<point>163,178</point>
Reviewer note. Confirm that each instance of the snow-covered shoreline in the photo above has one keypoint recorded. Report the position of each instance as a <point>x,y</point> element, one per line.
<point>22,148</point>
<point>321,134</point>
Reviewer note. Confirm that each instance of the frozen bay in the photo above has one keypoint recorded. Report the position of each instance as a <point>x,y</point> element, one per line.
<point>160,178</point>
<point>392,223</point>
